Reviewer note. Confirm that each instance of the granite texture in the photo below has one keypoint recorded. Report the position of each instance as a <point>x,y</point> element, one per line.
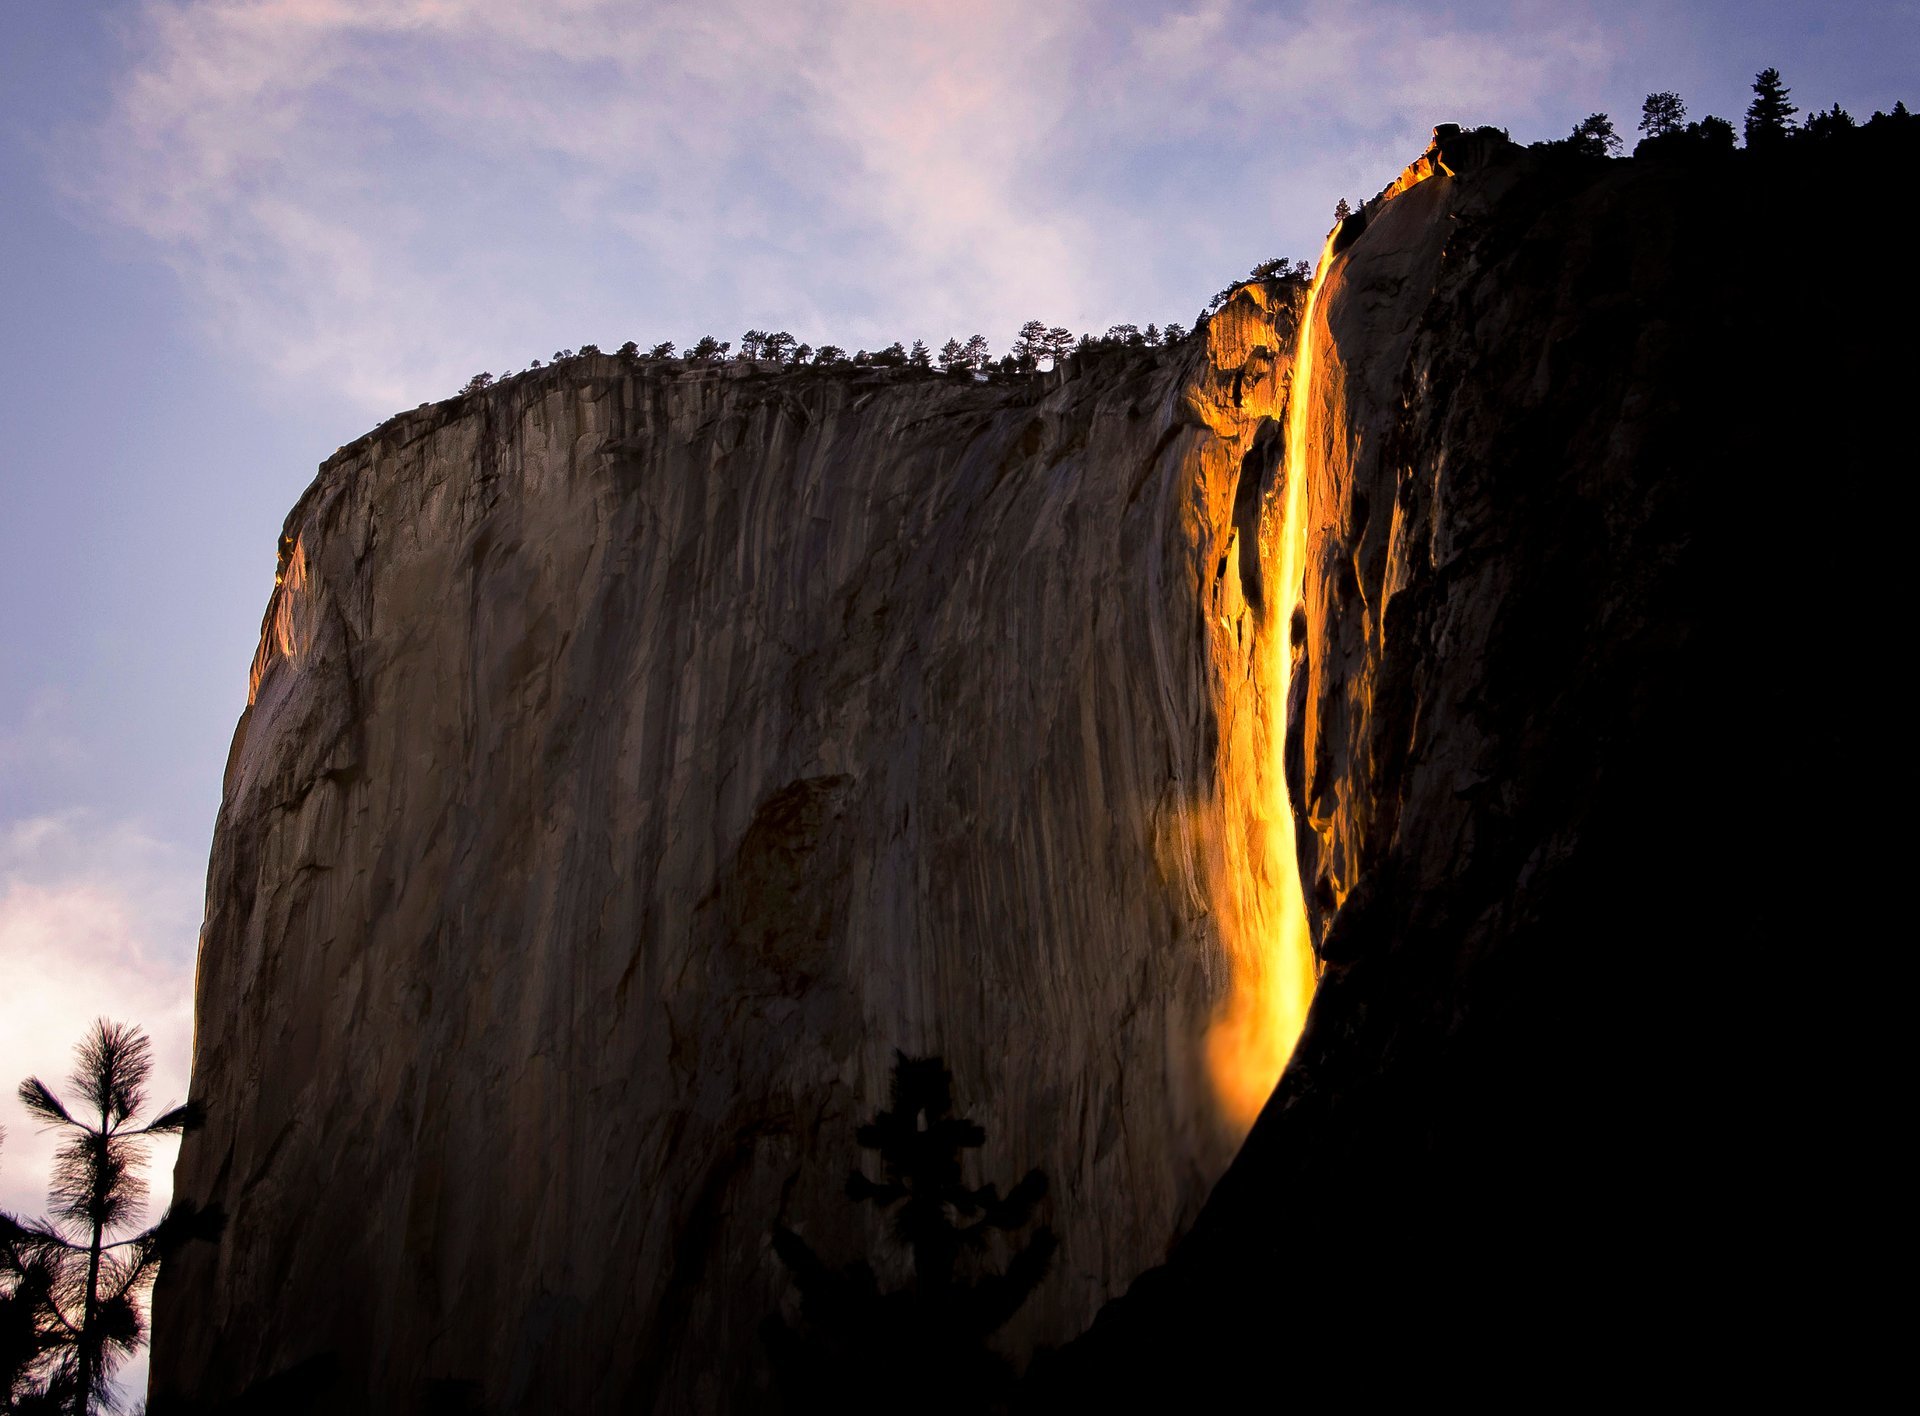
<point>637,755</point>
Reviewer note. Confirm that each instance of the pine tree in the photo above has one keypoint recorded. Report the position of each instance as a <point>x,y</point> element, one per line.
<point>1342,209</point>
<point>1714,134</point>
<point>1830,124</point>
<point>98,1263</point>
<point>1769,116</point>
<point>920,357</point>
<point>1594,136</point>
<point>1662,113</point>
<point>1030,345</point>
<point>975,351</point>
<point>921,1348</point>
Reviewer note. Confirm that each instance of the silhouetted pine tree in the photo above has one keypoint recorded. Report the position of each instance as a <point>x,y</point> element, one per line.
<point>924,1347</point>
<point>83,1262</point>
<point>1594,136</point>
<point>1662,113</point>
<point>1769,114</point>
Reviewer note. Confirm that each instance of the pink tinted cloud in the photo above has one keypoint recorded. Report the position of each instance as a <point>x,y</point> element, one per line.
<point>381,196</point>
<point>97,919</point>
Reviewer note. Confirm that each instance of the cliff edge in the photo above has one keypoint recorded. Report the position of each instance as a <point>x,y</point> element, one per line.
<point>637,755</point>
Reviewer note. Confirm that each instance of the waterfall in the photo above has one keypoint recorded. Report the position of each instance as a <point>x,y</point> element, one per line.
<point>1254,1032</point>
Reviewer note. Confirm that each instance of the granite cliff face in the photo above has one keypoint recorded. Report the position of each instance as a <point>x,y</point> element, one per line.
<point>1576,1107</point>
<point>636,756</point>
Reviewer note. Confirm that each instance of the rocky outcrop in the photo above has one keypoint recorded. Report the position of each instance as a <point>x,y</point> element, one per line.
<point>1569,1091</point>
<point>637,754</point>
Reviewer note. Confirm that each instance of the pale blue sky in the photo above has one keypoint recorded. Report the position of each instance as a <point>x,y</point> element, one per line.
<point>238,233</point>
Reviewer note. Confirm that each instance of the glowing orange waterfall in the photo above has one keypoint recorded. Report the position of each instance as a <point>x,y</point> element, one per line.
<point>1273,968</point>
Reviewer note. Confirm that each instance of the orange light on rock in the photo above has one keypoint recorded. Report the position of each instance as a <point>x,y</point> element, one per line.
<point>1271,950</point>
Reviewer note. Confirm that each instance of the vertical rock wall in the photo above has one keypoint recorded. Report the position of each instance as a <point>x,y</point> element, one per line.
<point>1586,1100</point>
<point>636,756</point>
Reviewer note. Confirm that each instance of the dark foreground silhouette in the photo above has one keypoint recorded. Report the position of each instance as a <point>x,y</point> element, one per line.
<point>72,1284</point>
<point>924,1346</point>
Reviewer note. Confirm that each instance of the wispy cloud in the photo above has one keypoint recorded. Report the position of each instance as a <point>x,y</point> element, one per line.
<point>382,195</point>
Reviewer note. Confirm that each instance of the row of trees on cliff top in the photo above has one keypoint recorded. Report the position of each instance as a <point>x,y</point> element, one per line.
<point>1036,342</point>
<point>1664,129</point>
<point>1769,124</point>
<point>73,1284</point>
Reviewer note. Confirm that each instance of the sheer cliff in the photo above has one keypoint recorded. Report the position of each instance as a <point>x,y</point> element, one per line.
<point>1582,1103</point>
<point>637,755</point>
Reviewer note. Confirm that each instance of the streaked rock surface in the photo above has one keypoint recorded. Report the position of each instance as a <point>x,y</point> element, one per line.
<point>637,756</point>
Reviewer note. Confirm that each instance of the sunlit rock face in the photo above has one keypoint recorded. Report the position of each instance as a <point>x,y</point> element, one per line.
<point>637,756</point>
<point>1575,720</point>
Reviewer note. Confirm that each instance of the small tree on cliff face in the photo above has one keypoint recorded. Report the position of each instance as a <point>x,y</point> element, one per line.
<point>922,1347</point>
<point>96,1264</point>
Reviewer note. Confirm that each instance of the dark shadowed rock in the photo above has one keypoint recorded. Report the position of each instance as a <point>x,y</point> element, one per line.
<point>1580,1105</point>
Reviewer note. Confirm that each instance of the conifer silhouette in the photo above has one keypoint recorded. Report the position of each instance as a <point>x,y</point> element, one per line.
<point>923,1347</point>
<point>82,1272</point>
<point>1769,115</point>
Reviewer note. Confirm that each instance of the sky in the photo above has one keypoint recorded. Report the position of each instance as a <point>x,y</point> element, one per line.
<point>235,234</point>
